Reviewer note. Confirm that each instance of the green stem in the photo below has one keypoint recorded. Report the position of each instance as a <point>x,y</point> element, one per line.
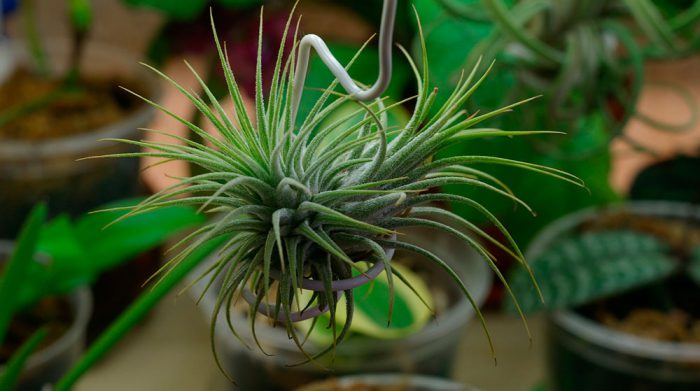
<point>510,26</point>
<point>464,11</point>
<point>28,12</point>
<point>133,315</point>
<point>687,18</point>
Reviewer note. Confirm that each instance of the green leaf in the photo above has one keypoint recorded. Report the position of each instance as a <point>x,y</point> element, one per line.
<point>15,271</point>
<point>409,315</point>
<point>79,252</point>
<point>594,265</point>
<point>10,376</point>
<point>109,245</point>
<point>694,267</point>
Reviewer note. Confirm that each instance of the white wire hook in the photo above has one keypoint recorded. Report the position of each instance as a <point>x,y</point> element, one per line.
<point>386,38</point>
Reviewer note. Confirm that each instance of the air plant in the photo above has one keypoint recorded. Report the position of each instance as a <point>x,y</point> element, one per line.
<point>300,205</point>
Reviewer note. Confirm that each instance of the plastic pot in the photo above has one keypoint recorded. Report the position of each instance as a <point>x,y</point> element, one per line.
<point>48,364</point>
<point>586,355</point>
<point>430,351</point>
<point>47,170</point>
<point>410,383</point>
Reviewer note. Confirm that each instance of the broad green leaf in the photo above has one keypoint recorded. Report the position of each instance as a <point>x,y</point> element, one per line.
<point>583,154</point>
<point>109,245</point>
<point>594,265</point>
<point>694,267</point>
<point>372,309</point>
<point>79,252</point>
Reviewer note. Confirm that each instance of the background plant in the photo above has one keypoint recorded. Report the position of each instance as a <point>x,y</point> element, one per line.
<point>581,268</point>
<point>585,59</point>
<point>54,258</point>
<point>14,274</point>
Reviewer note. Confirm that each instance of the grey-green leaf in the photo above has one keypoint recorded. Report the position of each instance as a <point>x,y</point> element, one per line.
<point>591,266</point>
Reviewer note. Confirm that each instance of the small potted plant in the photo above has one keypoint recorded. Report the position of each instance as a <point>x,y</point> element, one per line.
<point>40,336</point>
<point>44,283</point>
<point>623,283</point>
<point>54,107</point>
<point>299,207</point>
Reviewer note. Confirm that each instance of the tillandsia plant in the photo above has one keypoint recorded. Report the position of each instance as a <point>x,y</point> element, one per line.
<point>301,205</point>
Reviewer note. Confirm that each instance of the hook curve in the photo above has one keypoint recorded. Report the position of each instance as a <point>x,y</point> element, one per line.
<point>309,41</point>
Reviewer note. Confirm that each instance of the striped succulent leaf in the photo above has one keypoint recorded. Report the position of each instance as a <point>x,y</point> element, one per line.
<point>580,269</point>
<point>300,200</point>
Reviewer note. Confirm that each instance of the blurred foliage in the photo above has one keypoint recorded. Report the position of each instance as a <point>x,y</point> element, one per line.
<point>189,9</point>
<point>583,58</point>
<point>73,253</point>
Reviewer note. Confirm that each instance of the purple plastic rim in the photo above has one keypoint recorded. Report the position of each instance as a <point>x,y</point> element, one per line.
<point>348,283</point>
<point>299,316</point>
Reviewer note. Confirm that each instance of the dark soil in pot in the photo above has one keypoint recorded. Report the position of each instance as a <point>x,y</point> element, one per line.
<point>93,104</point>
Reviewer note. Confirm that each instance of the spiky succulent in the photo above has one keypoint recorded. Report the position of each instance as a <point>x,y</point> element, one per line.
<point>303,203</point>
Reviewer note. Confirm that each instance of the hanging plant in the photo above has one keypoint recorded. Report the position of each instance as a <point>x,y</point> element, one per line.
<point>300,204</point>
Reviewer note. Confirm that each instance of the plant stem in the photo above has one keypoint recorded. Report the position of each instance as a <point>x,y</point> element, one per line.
<point>81,19</point>
<point>36,49</point>
<point>133,315</point>
<point>510,26</point>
